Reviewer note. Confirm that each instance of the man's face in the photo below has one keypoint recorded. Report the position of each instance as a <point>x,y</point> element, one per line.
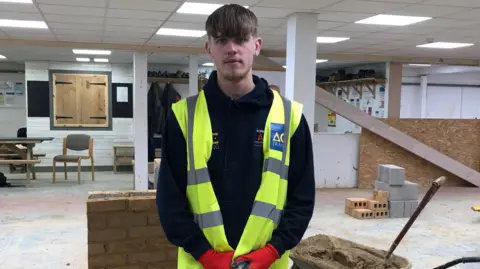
<point>233,58</point>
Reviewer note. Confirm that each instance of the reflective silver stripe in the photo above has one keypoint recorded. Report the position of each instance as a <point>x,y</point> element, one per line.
<point>198,176</point>
<point>269,211</point>
<point>208,220</point>
<point>275,166</point>
<point>287,109</point>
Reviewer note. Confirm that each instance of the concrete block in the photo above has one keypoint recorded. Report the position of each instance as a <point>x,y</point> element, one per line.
<point>392,175</point>
<point>409,191</point>
<point>410,207</point>
<point>362,214</point>
<point>396,208</point>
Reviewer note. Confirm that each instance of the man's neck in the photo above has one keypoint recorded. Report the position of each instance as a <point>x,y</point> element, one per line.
<point>236,89</point>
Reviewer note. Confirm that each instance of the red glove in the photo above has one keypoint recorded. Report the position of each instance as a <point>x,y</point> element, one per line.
<point>212,259</point>
<point>262,258</point>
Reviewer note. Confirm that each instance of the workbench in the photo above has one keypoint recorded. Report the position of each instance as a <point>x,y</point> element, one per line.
<point>19,150</point>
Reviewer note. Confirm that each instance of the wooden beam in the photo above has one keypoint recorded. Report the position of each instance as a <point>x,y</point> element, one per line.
<point>395,136</point>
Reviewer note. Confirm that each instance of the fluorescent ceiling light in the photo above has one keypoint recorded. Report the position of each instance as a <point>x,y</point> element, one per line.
<point>395,20</point>
<point>420,64</point>
<point>181,32</point>
<point>444,45</point>
<point>199,8</point>
<point>23,24</point>
<point>327,39</point>
<point>2,57</point>
<point>284,66</point>
<point>208,64</point>
<point>17,1</point>
<point>100,60</point>
<point>321,60</point>
<point>92,52</point>
<point>83,59</point>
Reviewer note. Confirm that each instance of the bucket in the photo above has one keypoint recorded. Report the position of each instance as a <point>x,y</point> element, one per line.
<point>330,252</point>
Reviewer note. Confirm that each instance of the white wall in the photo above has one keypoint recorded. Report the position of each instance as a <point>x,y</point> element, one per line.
<point>448,96</point>
<point>13,117</point>
<point>103,140</point>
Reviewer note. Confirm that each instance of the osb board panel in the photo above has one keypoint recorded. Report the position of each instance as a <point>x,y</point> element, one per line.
<point>458,139</point>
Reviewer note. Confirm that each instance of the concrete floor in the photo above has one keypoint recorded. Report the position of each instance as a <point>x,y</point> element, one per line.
<point>44,226</point>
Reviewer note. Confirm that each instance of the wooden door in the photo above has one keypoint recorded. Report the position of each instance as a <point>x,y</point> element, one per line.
<point>94,96</point>
<point>64,99</point>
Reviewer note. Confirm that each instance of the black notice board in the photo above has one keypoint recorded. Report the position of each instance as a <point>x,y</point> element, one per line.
<point>38,99</point>
<point>122,109</point>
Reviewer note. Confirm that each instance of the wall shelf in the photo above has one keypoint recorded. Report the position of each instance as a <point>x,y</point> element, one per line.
<point>355,84</point>
<point>174,80</point>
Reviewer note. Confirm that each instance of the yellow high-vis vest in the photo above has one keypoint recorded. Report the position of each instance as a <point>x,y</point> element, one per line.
<point>194,120</point>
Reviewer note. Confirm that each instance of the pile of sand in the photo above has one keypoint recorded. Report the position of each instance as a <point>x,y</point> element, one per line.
<point>329,252</point>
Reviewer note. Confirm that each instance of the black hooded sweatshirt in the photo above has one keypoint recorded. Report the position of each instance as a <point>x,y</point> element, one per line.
<point>235,169</point>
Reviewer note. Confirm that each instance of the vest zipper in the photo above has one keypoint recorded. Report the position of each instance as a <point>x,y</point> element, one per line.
<point>225,160</point>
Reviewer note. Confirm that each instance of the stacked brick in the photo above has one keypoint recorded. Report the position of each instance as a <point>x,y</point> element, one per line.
<point>393,196</point>
<point>124,232</point>
<point>403,195</point>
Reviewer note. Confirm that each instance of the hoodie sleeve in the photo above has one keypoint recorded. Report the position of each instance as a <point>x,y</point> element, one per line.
<point>175,215</point>
<point>300,203</point>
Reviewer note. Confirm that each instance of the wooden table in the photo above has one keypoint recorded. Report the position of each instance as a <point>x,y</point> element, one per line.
<point>9,148</point>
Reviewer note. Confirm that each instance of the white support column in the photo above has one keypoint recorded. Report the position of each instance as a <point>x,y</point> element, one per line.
<point>301,62</point>
<point>140,120</point>
<point>193,75</point>
<point>423,97</point>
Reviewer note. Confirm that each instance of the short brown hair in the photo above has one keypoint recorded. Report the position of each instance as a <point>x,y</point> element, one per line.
<point>232,21</point>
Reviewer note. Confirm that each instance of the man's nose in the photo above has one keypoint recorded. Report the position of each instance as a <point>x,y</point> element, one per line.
<point>231,47</point>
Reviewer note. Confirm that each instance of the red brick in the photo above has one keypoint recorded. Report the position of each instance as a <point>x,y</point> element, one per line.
<point>146,257</point>
<point>153,219</point>
<point>356,203</point>
<point>106,204</point>
<point>127,246</point>
<point>158,243</point>
<point>96,249</point>
<point>163,265</point>
<point>145,232</point>
<point>126,220</point>
<point>142,204</point>
<point>106,235</point>
<point>381,214</point>
<point>362,214</point>
<point>96,221</point>
<point>107,260</point>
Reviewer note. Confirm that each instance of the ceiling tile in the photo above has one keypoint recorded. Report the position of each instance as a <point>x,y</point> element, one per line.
<point>74,26</point>
<point>73,19</point>
<point>184,25</point>
<point>365,6</point>
<point>136,14</point>
<point>412,29</point>
<point>240,2</point>
<point>149,5</point>
<point>336,33</point>
<point>82,3</point>
<point>70,10</point>
<point>342,16</point>
<point>263,22</point>
<point>456,3</point>
<point>366,28</point>
<point>116,28</point>
<point>171,41</point>
<point>400,1</point>
<point>12,7</point>
<point>78,32</point>
<point>469,14</point>
<point>110,35</point>
<point>20,16</point>
<point>305,4</point>
<point>266,12</point>
<point>326,25</point>
<point>79,38</point>
<point>273,40</point>
<point>138,41</point>
<point>447,23</point>
<point>188,18</point>
<point>428,10</point>
<point>133,23</point>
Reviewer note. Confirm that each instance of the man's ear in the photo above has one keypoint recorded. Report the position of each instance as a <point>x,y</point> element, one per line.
<point>207,47</point>
<point>258,45</point>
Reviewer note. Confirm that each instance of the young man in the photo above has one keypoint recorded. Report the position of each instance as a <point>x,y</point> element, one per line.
<point>236,183</point>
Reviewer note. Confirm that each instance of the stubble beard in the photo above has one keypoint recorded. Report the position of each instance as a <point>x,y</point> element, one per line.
<point>235,75</point>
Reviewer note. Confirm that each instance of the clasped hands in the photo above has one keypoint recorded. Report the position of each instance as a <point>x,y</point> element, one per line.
<point>259,259</point>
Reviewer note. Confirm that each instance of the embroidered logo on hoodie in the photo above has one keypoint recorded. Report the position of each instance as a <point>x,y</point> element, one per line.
<point>276,136</point>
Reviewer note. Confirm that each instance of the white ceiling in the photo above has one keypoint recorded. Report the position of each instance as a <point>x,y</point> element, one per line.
<point>137,21</point>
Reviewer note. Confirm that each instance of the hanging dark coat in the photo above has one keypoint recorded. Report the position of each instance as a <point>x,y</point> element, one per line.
<point>169,97</point>
<point>155,109</point>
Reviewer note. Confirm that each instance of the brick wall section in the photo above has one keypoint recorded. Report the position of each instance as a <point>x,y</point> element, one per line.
<point>124,232</point>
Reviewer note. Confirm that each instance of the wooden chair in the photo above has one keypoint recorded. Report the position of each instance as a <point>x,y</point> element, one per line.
<point>76,142</point>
